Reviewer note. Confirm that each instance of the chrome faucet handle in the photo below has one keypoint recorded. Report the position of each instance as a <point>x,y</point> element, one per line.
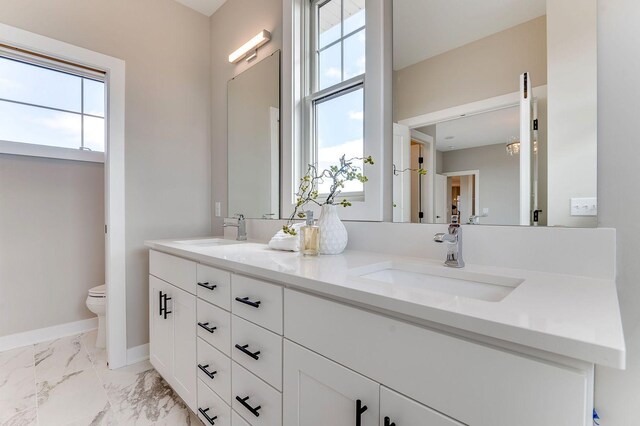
<point>239,216</point>
<point>453,237</point>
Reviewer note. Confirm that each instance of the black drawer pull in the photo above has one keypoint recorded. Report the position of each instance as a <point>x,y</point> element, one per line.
<point>253,411</point>
<point>359,410</point>
<point>160,299</point>
<point>387,422</point>
<point>246,301</point>
<point>244,350</point>
<point>211,374</point>
<point>206,416</point>
<point>205,325</point>
<point>207,286</point>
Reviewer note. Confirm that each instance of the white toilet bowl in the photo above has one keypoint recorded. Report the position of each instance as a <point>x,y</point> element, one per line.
<point>97,303</point>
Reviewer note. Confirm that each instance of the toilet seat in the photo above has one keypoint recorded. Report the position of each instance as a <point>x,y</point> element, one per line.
<point>98,291</point>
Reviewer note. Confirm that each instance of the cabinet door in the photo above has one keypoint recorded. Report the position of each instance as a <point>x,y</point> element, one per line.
<point>183,313</point>
<point>160,330</point>
<point>319,392</point>
<point>398,410</point>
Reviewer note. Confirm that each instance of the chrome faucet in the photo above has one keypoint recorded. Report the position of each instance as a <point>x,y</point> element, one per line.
<point>237,222</point>
<point>454,243</point>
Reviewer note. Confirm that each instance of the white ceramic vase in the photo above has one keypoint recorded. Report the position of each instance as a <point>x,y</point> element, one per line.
<point>333,234</point>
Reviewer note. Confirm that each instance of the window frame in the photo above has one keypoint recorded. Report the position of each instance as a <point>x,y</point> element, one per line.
<point>297,123</point>
<point>49,151</point>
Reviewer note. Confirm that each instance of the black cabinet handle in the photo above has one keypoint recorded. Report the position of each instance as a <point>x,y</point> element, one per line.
<point>252,410</point>
<point>246,301</point>
<point>387,422</point>
<point>359,410</point>
<point>211,374</point>
<point>206,416</point>
<point>160,299</point>
<point>205,325</point>
<point>207,286</point>
<point>244,350</point>
<point>166,312</point>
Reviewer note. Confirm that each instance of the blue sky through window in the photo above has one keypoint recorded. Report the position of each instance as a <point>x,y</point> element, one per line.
<point>44,106</point>
<point>340,120</point>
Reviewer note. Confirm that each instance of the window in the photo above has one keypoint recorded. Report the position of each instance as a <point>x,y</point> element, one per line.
<point>44,104</point>
<point>335,95</point>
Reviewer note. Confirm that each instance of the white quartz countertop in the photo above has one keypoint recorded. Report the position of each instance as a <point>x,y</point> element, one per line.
<point>574,316</point>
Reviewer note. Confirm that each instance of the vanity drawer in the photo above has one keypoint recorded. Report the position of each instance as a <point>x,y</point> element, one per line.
<point>468,381</point>
<point>403,411</point>
<point>214,406</point>
<point>213,360</point>
<point>172,269</point>
<point>257,301</point>
<point>245,384</point>
<point>219,323</point>
<point>236,420</point>
<point>214,286</point>
<point>268,363</point>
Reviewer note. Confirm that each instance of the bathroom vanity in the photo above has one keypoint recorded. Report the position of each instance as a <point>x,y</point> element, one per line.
<point>247,335</point>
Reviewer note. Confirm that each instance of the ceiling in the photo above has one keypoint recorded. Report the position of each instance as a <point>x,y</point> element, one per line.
<point>489,128</point>
<point>206,7</point>
<point>426,28</point>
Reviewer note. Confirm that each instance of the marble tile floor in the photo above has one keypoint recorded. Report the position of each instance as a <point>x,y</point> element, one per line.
<point>66,382</point>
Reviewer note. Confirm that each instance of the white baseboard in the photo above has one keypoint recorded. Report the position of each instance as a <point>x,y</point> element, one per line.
<point>137,354</point>
<point>45,334</point>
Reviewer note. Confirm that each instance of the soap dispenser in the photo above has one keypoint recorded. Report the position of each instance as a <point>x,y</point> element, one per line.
<point>310,237</point>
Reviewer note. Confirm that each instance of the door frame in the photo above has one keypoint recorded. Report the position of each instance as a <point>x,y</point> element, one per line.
<point>475,173</point>
<point>114,165</point>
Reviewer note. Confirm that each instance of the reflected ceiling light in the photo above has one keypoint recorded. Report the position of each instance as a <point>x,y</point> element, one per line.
<point>249,50</point>
<point>513,146</point>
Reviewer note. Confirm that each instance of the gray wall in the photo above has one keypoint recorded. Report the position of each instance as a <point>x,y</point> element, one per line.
<point>618,392</point>
<point>479,70</point>
<point>231,26</point>
<point>51,240</point>
<point>499,180</point>
<point>167,146</point>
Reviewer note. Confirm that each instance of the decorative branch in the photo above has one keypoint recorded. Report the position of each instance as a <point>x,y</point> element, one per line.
<point>308,191</point>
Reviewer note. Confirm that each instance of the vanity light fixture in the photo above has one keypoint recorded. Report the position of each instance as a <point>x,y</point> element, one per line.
<point>249,50</point>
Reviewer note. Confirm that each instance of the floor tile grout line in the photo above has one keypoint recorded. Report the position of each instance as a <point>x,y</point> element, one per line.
<point>100,381</point>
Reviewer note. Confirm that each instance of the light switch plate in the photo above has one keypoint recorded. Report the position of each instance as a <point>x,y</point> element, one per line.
<point>584,206</point>
<point>218,209</point>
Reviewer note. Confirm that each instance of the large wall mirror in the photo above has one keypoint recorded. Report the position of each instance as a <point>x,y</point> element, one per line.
<point>496,100</point>
<point>253,137</point>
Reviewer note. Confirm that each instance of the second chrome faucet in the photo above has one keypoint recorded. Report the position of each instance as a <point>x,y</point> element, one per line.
<point>454,245</point>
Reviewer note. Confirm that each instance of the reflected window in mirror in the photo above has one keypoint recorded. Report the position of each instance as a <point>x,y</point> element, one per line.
<point>335,96</point>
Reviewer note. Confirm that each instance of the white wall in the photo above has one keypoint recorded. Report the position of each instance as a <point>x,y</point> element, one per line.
<point>231,26</point>
<point>618,392</point>
<point>51,240</point>
<point>572,107</point>
<point>499,180</point>
<point>167,141</point>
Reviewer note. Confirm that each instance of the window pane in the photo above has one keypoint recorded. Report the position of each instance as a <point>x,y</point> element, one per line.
<point>329,66</point>
<point>94,133</point>
<point>354,15</point>
<point>93,97</point>
<point>329,23</point>
<point>354,55</point>
<point>22,123</point>
<point>340,131</point>
<point>39,86</point>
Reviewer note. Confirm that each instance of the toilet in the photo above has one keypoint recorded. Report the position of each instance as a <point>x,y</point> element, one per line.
<point>97,303</point>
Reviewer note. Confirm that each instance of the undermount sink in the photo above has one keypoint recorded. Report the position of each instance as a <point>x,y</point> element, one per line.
<point>208,242</point>
<point>473,285</point>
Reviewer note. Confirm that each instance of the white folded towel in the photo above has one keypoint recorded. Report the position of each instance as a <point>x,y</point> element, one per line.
<point>286,242</point>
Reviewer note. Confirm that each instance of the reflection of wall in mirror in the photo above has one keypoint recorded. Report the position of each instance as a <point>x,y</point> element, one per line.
<point>253,138</point>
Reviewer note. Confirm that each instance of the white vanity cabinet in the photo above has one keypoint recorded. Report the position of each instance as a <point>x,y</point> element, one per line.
<point>245,351</point>
<point>172,315</point>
